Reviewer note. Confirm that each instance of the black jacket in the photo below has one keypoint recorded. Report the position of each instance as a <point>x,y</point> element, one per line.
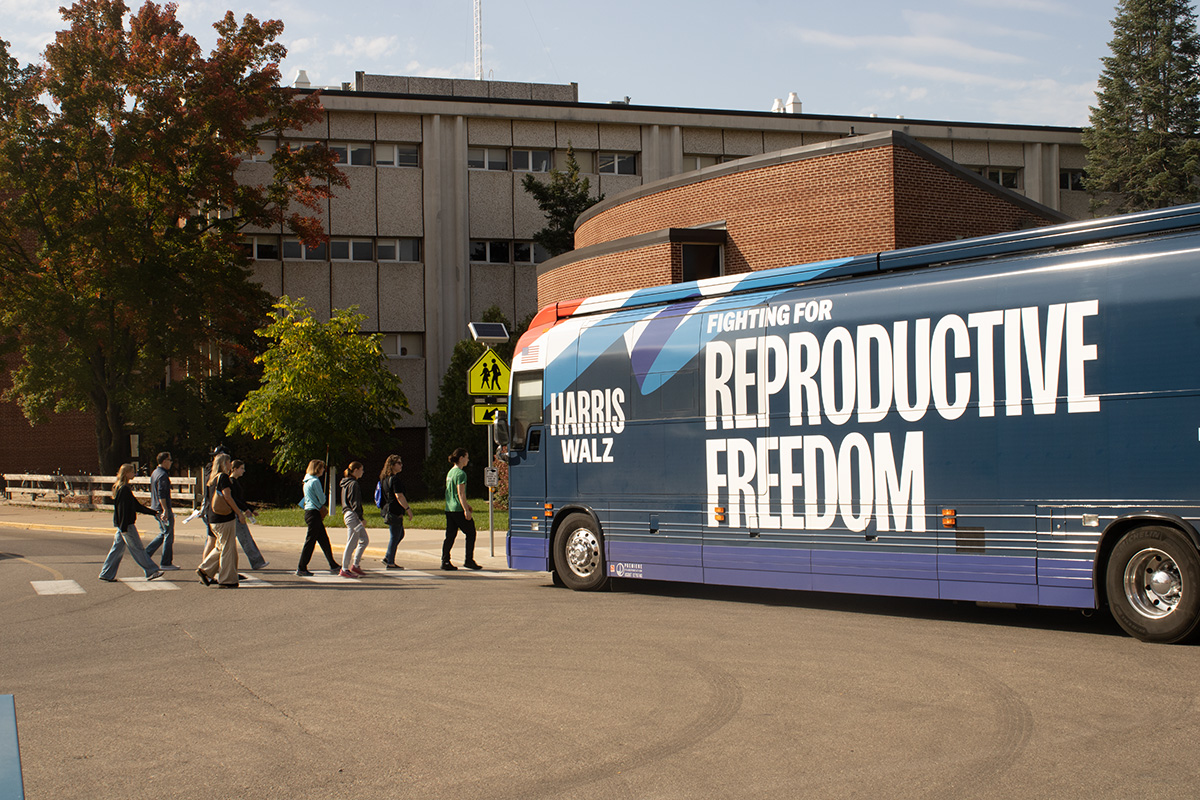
<point>126,508</point>
<point>352,496</point>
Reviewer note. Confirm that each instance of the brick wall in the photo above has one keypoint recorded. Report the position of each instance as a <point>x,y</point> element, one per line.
<point>67,442</point>
<point>830,206</point>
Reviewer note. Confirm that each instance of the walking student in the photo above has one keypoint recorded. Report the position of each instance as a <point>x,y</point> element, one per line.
<point>395,507</point>
<point>356,531</point>
<point>313,504</point>
<point>125,510</point>
<point>160,503</point>
<point>242,526</point>
<point>223,512</point>
<point>458,512</point>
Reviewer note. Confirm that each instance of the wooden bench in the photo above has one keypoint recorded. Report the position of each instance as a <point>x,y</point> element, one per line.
<point>86,491</point>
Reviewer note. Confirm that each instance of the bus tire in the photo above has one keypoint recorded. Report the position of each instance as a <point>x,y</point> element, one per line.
<point>1153,582</point>
<point>579,554</point>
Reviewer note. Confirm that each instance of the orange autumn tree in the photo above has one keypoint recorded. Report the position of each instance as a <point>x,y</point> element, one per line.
<point>121,209</point>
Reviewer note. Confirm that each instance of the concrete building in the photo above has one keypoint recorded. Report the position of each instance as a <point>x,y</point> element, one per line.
<point>434,227</point>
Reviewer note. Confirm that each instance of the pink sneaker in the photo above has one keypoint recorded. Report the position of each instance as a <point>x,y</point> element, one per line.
<point>358,571</point>
<point>346,574</point>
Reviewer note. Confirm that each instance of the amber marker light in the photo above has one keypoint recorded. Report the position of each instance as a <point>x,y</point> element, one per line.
<point>949,519</point>
<point>549,509</point>
<point>719,513</point>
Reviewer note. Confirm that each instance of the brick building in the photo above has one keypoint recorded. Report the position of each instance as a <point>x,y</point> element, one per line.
<point>434,227</point>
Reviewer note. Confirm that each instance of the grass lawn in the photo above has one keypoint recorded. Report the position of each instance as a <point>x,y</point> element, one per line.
<point>427,514</point>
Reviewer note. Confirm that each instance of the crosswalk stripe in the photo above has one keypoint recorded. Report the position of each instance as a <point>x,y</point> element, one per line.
<point>143,585</point>
<point>57,587</point>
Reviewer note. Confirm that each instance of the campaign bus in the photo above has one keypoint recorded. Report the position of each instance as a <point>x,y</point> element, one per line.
<point>1009,419</point>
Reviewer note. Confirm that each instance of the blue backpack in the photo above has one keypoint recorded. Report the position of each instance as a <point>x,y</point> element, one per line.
<point>380,500</point>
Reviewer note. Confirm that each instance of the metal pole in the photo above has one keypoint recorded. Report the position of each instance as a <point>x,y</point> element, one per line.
<point>491,489</point>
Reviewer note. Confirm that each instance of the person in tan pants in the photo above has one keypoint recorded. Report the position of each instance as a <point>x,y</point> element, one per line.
<point>223,513</point>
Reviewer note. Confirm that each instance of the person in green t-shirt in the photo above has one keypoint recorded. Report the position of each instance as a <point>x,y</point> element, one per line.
<point>458,512</point>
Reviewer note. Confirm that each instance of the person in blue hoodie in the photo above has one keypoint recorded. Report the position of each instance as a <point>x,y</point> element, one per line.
<point>313,504</point>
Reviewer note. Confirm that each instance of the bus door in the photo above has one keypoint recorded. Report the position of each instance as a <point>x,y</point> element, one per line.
<point>528,547</point>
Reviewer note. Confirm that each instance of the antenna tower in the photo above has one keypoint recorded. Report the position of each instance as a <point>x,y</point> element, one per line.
<point>478,41</point>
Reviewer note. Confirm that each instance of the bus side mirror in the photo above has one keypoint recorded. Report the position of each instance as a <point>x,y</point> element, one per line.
<point>501,427</point>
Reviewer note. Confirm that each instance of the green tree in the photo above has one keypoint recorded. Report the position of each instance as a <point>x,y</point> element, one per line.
<point>120,208</point>
<point>1143,150</point>
<point>562,199</point>
<point>450,426</point>
<point>325,387</point>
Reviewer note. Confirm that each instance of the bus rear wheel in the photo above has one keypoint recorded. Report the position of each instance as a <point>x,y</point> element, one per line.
<point>579,554</point>
<point>1153,582</point>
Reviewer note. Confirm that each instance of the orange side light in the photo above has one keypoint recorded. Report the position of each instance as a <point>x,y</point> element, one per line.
<point>719,513</point>
<point>949,518</point>
<point>549,509</point>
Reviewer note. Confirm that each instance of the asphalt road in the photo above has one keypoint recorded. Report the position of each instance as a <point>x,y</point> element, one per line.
<point>499,685</point>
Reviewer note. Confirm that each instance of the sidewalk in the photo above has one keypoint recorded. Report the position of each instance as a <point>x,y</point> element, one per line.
<point>421,549</point>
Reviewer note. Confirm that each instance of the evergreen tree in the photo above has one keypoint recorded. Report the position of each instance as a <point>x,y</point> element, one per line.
<point>562,200</point>
<point>1142,142</point>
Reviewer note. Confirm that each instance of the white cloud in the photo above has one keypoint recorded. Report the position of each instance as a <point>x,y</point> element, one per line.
<point>913,44</point>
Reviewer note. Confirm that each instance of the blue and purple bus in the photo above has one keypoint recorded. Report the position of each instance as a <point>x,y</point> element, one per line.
<point>1009,419</point>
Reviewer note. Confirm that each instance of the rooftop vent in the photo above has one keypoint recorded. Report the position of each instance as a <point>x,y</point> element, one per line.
<point>302,81</point>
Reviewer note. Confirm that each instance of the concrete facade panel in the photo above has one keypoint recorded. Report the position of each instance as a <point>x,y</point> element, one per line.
<point>943,146</point>
<point>356,284</point>
<point>352,126</point>
<point>532,133</point>
<point>398,127</point>
<point>580,135</point>
<point>508,90</point>
<point>703,141</point>
<point>431,86</point>
<point>401,200</point>
<point>970,154</point>
<point>782,140</point>
<point>555,93</point>
<point>1006,154</point>
<point>352,210</point>
<point>1072,157</point>
<point>490,204</point>
<point>411,372</point>
<point>525,292</point>
<point>310,280</point>
<point>743,143</point>
<point>401,297</point>
<point>622,138</point>
<point>611,185</point>
<point>269,275</point>
<point>528,219</point>
<point>491,285</point>
<point>481,132</point>
<point>313,130</point>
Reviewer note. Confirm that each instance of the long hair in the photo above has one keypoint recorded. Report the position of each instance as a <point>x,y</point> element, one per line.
<point>315,466</point>
<point>386,472</point>
<point>220,462</point>
<point>124,476</point>
<point>354,465</point>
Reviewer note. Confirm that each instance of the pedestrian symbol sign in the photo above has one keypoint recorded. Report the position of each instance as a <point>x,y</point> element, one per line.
<point>488,376</point>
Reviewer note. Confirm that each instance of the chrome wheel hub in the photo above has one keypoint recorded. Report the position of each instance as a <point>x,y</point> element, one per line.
<point>583,553</point>
<point>1153,583</point>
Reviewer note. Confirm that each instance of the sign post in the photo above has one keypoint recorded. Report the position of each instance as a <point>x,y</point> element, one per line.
<point>488,378</point>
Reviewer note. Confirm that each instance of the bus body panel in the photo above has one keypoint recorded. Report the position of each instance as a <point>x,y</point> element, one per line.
<point>962,431</point>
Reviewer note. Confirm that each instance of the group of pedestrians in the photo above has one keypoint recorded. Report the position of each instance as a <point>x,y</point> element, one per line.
<point>224,515</point>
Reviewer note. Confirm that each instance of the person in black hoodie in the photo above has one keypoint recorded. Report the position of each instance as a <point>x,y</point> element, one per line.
<point>356,531</point>
<point>125,510</point>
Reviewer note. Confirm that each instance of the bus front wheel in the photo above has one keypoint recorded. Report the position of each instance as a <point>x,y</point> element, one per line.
<point>579,554</point>
<point>1153,583</point>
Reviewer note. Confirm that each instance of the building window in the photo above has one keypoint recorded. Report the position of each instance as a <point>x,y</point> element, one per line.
<point>399,249</point>
<point>351,250</point>
<point>531,160</point>
<point>354,154</point>
<point>397,155</point>
<point>497,252</point>
<point>296,250</point>
<point>403,345</point>
<point>529,253</point>
<point>266,149</point>
<point>701,261</point>
<point>491,158</point>
<point>691,162</point>
<point>1071,179</point>
<point>616,163</point>
<point>1008,178</point>
<point>261,248</point>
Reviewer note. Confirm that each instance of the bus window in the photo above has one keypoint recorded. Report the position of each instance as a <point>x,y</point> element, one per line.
<point>526,408</point>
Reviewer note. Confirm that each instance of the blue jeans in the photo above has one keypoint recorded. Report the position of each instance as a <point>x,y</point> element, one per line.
<point>396,530</point>
<point>127,538</point>
<point>165,539</point>
<point>249,546</point>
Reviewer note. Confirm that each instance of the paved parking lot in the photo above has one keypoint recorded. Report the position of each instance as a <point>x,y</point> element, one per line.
<point>498,685</point>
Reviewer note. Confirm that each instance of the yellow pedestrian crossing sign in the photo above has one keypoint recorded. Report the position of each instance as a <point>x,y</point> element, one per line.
<point>485,413</point>
<point>488,376</point>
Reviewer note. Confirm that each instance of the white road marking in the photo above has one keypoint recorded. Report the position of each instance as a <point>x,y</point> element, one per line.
<point>143,585</point>
<point>57,587</point>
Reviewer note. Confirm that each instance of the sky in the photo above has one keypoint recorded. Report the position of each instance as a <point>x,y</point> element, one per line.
<point>1029,62</point>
